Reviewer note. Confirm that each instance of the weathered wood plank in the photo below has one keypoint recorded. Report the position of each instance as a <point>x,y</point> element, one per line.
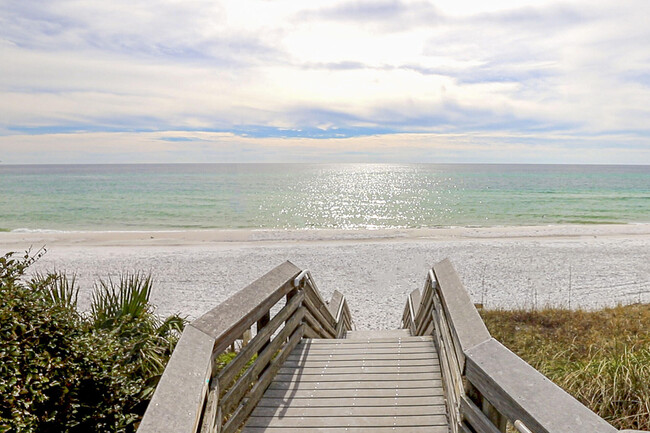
<point>496,417</point>
<point>316,326</point>
<point>519,391</point>
<point>262,323</point>
<point>256,344</point>
<point>315,297</point>
<point>323,316</point>
<point>360,369</point>
<point>335,363</point>
<point>357,341</point>
<point>374,421</point>
<point>477,419</point>
<point>312,290</point>
<point>424,315</point>
<point>467,328</point>
<point>352,400</point>
<point>377,378</point>
<point>347,316</point>
<point>187,374</point>
<point>452,377</point>
<point>336,305</point>
<point>372,336</point>
<point>380,348</point>
<point>286,390</point>
<point>415,296</point>
<point>424,310</point>
<point>425,298</point>
<point>341,329</point>
<point>347,409</point>
<point>232,398</point>
<point>445,328</point>
<point>210,415</point>
<point>402,384</point>
<point>403,339</point>
<point>366,356</point>
<point>394,350</point>
<point>324,346</point>
<point>257,391</point>
<point>310,333</point>
<point>450,393</point>
<point>231,318</point>
<point>388,429</point>
<point>406,316</point>
<point>463,428</point>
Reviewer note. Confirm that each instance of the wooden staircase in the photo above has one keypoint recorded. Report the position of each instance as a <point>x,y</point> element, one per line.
<point>372,381</point>
<point>301,367</point>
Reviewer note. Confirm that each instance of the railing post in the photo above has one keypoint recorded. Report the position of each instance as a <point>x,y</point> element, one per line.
<point>261,323</point>
<point>291,294</point>
<point>495,417</point>
<point>499,421</point>
<point>212,414</point>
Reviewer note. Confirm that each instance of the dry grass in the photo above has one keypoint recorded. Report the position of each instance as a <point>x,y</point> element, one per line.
<point>601,357</point>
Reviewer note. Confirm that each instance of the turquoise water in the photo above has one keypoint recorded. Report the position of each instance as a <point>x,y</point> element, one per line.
<point>296,196</point>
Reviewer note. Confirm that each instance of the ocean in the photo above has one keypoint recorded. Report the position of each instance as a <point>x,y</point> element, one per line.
<point>314,196</point>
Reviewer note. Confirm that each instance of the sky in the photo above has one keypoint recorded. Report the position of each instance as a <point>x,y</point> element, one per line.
<point>501,81</point>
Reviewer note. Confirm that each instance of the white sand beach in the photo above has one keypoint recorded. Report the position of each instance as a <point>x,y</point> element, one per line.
<point>507,267</point>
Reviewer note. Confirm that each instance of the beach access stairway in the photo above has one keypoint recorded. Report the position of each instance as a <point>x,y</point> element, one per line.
<point>295,363</point>
<point>368,382</point>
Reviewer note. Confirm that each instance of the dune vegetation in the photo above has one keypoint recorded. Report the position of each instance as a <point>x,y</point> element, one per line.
<point>63,370</point>
<point>602,357</point>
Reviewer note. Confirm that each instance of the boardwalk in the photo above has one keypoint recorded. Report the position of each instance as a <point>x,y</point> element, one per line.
<point>390,382</point>
<point>301,367</point>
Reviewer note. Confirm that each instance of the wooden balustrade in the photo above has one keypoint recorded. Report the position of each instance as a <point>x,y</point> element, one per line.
<point>194,395</point>
<point>487,386</point>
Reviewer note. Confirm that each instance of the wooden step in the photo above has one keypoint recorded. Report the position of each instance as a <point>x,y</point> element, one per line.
<point>364,335</point>
<point>372,381</point>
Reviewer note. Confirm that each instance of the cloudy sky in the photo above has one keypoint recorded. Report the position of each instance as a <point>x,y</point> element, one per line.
<point>371,80</point>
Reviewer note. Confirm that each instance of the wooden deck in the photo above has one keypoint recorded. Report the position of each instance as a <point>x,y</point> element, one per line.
<point>390,382</point>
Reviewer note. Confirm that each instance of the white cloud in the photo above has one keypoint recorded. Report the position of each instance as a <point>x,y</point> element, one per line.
<point>468,67</point>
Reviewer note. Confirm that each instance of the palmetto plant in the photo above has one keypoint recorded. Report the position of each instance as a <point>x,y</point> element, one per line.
<point>122,307</point>
<point>125,300</point>
<point>57,288</point>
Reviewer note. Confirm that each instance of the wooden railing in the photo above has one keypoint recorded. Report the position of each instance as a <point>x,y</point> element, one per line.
<point>488,388</point>
<point>195,395</point>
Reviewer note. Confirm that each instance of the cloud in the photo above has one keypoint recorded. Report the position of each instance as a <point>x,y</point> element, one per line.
<point>191,31</point>
<point>327,71</point>
<point>391,15</point>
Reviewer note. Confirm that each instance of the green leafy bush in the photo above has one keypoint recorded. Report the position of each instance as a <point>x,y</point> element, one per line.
<point>65,371</point>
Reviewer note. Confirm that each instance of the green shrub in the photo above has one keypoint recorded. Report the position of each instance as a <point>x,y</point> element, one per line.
<point>64,371</point>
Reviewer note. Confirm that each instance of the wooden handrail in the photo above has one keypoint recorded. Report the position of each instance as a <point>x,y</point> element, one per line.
<point>486,385</point>
<point>194,395</point>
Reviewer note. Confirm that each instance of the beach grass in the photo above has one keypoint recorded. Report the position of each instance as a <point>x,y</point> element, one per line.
<point>601,357</point>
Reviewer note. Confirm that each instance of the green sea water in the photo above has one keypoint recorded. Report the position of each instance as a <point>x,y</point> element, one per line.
<point>307,196</point>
